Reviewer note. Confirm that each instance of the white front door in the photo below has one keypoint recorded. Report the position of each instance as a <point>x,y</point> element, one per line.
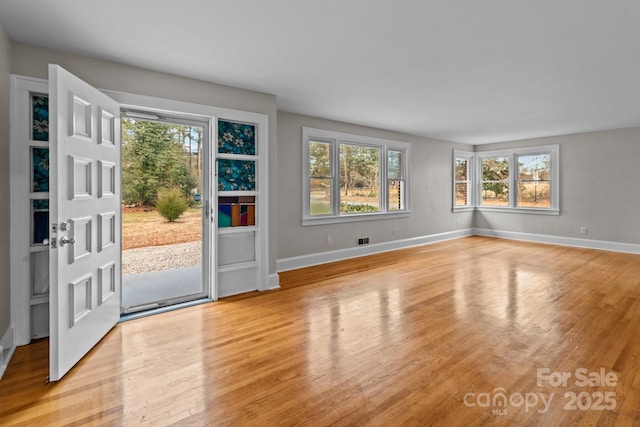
<point>85,216</point>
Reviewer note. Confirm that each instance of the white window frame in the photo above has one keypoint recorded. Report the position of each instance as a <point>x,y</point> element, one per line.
<point>512,155</point>
<point>471,201</point>
<point>481,181</point>
<point>335,139</point>
<point>402,179</point>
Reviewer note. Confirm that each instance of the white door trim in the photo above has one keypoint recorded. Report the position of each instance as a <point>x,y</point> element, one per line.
<point>20,181</point>
<point>172,107</point>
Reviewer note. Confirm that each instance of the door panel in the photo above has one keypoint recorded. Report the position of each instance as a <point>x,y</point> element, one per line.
<point>85,218</point>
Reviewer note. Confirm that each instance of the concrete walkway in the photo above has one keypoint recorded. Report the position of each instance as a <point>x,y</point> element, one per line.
<point>146,288</point>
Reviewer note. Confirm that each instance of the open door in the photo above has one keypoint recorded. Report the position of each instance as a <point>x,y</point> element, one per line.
<point>85,216</point>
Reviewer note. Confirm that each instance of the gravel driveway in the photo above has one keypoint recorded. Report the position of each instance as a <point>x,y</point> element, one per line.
<point>159,258</point>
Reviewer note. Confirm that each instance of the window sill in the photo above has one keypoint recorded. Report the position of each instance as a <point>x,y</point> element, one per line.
<point>534,211</point>
<point>354,218</point>
<point>464,209</point>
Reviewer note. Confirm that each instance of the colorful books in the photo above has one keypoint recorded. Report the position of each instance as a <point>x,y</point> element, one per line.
<point>224,215</point>
<point>236,211</point>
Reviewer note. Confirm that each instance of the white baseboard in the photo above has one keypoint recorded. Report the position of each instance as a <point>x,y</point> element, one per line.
<point>562,241</point>
<point>274,282</point>
<point>302,261</point>
<point>7,347</point>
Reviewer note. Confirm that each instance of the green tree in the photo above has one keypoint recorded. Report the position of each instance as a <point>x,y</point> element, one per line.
<point>319,163</point>
<point>495,169</point>
<point>359,168</point>
<point>154,158</point>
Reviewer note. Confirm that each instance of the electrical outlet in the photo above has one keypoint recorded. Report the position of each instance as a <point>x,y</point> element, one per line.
<point>363,241</point>
<point>329,240</point>
<point>584,230</point>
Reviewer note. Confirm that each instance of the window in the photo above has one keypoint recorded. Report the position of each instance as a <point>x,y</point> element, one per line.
<point>395,180</point>
<point>517,180</point>
<point>462,184</point>
<point>359,179</point>
<point>351,177</point>
<point>534,181</point>
<point>320,178</point>
<point>495,181</point>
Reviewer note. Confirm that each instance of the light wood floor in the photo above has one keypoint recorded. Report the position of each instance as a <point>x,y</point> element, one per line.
<point>423,336</point>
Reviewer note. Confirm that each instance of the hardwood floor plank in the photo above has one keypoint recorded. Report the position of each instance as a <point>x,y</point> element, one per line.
<point>418,336</point>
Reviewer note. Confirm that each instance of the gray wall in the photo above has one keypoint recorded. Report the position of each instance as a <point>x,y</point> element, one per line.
<point>33,61</point>
<point>431,192</point>
<point>598,188</point>
<point>5,69</point>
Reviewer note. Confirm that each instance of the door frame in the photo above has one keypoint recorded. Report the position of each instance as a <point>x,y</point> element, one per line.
<point>20,274</point>
<point>22,302</point>
<point>208,247</point>
<point>181,108</point>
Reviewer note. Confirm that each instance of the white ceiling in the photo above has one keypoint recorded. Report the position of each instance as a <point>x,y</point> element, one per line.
<point>474,71</point>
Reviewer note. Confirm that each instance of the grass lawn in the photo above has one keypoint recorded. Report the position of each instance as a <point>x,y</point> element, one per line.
<point>320,207</point>
<point>142,228</point>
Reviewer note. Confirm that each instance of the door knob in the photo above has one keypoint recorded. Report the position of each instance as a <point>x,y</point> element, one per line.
<point>64,240</point>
